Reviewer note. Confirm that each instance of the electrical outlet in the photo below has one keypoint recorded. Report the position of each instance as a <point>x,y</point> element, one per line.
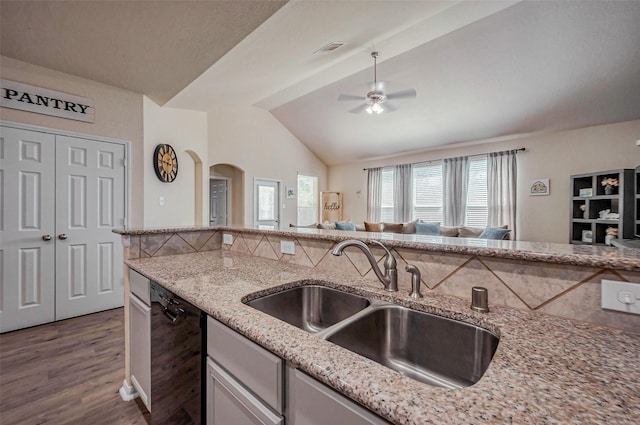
<point>621,296</point>
<point>288,247</point>
<point>227,239</point>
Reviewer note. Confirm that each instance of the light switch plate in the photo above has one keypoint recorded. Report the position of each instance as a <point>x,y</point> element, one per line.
<point>227,239</point>
<point>288,247</point>
<point>621,296</point>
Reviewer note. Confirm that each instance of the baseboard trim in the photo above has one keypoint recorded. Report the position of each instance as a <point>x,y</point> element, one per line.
<point>128,392</point>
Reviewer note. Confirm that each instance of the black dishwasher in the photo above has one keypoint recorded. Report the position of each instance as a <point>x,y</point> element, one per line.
<point>178,359</point>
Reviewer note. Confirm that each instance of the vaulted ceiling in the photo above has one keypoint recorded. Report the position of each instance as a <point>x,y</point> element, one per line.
<point>481,69</point>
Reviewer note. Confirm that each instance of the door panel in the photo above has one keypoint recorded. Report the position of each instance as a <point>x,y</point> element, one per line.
<point>27,195</point>
<point>90,198</point>
<point>267,204</point>
<point>218,202</point>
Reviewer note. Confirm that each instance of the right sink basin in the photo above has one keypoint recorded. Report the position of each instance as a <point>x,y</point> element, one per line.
<point>428,348</point>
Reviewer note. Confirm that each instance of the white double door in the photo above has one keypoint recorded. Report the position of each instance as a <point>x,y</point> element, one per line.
<point>61,197</point>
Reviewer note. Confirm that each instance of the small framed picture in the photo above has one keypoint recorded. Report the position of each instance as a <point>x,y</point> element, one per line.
<point>587,236</point>
<point>291,193</point>
<point>586,193</point>
<point>539,187</point>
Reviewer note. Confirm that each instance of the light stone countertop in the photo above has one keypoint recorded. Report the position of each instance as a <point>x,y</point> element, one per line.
<point>546,370</point>
<point>573,254</point>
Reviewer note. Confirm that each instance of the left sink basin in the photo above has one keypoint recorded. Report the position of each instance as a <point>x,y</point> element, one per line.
<point>312,308</point>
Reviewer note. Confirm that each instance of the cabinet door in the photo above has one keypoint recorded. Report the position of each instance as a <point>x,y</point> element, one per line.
<point>140,337</point>
<point>313,403</point>
<point>228,402</point>
<point>27,251</point>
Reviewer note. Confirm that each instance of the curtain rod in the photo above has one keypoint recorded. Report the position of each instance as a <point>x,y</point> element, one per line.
<point>442,159</point>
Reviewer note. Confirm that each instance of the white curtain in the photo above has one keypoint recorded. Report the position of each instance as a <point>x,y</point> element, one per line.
<point>402,193</point>
<point>456,182</point>
<point>501,189</point>
<point>374,194</point>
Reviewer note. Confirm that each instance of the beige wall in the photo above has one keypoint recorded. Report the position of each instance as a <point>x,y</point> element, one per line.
<point>184,131</point>
<point>253,140</point>
<point>555,156</point>
<point>118,115</point>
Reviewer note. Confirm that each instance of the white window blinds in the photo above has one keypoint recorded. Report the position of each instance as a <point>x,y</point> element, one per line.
<point>386,211</point>
<point>477,207</point>
<point>427,192</point>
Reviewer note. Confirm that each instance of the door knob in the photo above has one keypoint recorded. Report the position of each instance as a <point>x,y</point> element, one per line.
<point>62,236</point>
<point>46,238</point>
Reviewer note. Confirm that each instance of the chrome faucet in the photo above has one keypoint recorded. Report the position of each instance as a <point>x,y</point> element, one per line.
<point>390,277</point>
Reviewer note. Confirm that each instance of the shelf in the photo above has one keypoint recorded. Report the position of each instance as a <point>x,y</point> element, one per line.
<point>625,202</point>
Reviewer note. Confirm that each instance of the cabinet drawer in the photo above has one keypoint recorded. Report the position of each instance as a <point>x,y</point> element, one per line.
<point>139,286</point>
<point>258,369</point>
<point>229,402</point>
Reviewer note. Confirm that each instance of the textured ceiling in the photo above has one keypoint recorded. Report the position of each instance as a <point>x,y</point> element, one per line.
<point>481,69</point>
<point>150,47</point>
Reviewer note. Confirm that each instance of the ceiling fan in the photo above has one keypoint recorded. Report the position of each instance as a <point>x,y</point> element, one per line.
<point>375,101</point>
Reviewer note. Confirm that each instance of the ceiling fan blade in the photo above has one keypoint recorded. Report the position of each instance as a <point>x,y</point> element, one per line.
<point>403,94</point>
<point>346,97</point>
<point>388,107</point>
<point>359,109</point>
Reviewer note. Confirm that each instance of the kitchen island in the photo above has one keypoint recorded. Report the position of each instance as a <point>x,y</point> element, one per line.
<point>546,369</point>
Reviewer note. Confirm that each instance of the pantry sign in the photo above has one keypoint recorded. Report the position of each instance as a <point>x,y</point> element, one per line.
<point>39,100</point>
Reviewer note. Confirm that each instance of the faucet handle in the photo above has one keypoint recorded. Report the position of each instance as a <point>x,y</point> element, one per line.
<point>415,281</point>
<point>480,299</point>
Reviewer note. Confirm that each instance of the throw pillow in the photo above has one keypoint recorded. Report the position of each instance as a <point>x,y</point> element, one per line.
<point>431,229</point>
<point>373,227</point>
<point>451,232</point>
<point>469,232</point>
<point>409,227</point>
<point>360,228</point>
<point>494,233</point>
<point>327,226</point>
<point>392,227</point>
<point>343,225</point>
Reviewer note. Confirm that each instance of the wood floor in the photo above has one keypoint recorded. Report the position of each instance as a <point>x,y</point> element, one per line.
<point>68,372</point>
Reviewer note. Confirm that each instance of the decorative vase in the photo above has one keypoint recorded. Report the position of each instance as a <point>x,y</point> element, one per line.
<point>585,215</point>
<point>608,189</point>
<point>608,239</point>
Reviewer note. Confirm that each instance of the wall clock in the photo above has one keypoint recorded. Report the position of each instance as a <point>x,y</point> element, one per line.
<point>165,163</point>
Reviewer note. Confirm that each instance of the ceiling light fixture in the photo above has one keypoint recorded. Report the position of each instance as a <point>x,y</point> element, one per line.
<point>375,97</point>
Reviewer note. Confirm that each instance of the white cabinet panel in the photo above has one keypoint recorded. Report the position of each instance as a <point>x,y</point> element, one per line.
<point>140,336</point>
<point>313,403</point>
<point>230,403</point>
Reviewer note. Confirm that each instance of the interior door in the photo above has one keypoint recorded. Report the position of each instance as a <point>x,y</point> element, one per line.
<point>267,204</point>
<point>218,193</point>
<point>90,202</point>
<point>27,198</point>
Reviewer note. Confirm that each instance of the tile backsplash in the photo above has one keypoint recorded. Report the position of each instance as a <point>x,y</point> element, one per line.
<point>561,290</point>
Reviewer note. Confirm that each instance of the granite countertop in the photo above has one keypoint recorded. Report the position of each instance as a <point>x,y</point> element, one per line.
<point>546,370</point>
<point>573,254</point>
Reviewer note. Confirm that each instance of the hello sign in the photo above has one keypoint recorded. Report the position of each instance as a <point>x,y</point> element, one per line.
<point>30,98</point>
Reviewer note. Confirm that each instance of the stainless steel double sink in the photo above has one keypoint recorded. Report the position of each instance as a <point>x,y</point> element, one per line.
<point>428,348</point>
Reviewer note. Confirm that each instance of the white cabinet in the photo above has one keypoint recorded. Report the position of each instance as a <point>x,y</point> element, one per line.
<point>229,402</point>
<point>313,403</point>
<point>244,381</point>
<point>140,336</point>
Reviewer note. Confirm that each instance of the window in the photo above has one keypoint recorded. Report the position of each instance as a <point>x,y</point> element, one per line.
<point>427,192</point>
<point>386,211</point>
<point>477,205</point>
<point>307,200</point>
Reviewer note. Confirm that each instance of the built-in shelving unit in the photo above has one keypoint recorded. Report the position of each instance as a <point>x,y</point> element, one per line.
<point>589,198</point>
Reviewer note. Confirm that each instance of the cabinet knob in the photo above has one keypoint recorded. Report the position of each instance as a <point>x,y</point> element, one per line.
<point>46,238</point>
<point>62,236</point>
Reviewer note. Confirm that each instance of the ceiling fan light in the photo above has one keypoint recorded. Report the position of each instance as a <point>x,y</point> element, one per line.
<point>369,109</point>
<point>377,108</point>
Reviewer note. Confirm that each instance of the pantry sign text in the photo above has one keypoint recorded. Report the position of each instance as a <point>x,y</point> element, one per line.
<point>39,100</point>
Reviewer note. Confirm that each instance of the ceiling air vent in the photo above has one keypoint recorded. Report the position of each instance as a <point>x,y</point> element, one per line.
<point>329,47</point>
